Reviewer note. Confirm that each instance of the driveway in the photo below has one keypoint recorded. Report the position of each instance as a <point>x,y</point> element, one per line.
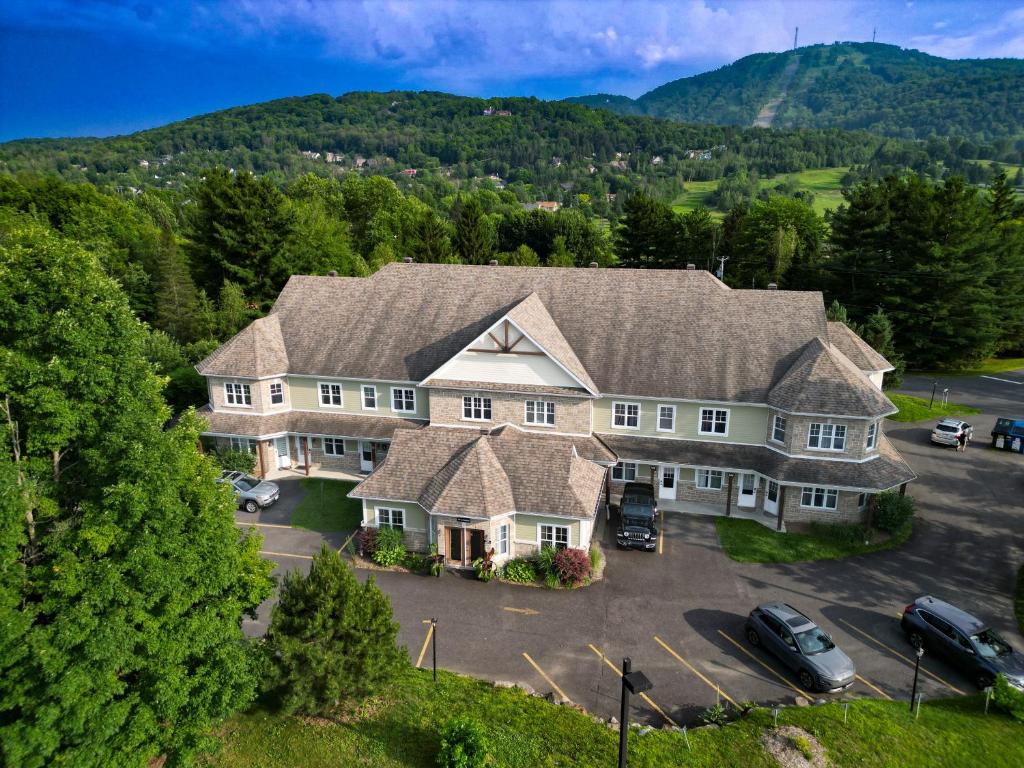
<point>679,614</point>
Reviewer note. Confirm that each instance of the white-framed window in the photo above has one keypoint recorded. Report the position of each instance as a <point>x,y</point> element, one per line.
<point>276,393</point>
<point>369,397</point>
<point>779,429</point>
<point>714,421</point>
<point>476,408</point>
<point>872,438</point>
<point>236,393</point>
<point>624,471</point>
<point>709,479</point>
<point>244,444</point>
<point>815,497</point>
<point>540,412</point>
<point>334,446</point>
<point>330,394</point>
<point>390,518</point>
<point>827,437</point>
<point>556,536</point>
<point>666,418</point>
<point>626,415</point>
<point>403,399</point>
<point>862,501</point>
<point>501,545</point>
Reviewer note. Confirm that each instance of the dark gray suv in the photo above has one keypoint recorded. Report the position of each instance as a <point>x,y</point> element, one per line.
<point>802,646</point>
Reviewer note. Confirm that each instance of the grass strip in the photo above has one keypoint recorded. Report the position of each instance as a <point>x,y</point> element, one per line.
<point>326,507</point>
<point>916,408</point>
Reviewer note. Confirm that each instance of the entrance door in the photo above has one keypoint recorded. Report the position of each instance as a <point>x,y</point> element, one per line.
<point>304,449</point>
<point>667,487</point>
<point>455,546</point>
<point>366,456</point>
<point>771,498</point>
<point>283,459</point>
<point>748,490</point>
<point>476,545</point>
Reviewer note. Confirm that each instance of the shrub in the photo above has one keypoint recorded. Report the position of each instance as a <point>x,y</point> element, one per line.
<point>546,561</point>
<point>484,566</point>
<point>1008,698</point>
<point>595,558</point>
<point>415,562</point>
<point>463,744</point>
<point>572,566</point>
<point>715,715</point>
<point>551,580</point>
<point>849,535</point>
<point>367,541</point>
<point>236,461</point>
<point>390,547</point>
<point>520,571</point>
<point>803,745</point>
<point>892,511</point>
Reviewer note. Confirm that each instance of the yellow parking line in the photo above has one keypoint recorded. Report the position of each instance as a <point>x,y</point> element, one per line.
<point>690,667</point>
<point>909,661</point>
<point>784,680</point>
<point>643,696</point>
<point>262,525</point>
<point>426,642</point>
<point>661,533</point>
<point>547,679</point>
<point>874,687</point>
<point>350,537</point>
<point>285,554</point>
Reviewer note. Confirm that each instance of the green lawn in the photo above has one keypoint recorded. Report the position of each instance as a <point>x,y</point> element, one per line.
<point>325,507</point>
<point>916,408</point>
<point>401,729</point>
<point>823,182</point>
<point>986,367</point>
<point>747,541</point>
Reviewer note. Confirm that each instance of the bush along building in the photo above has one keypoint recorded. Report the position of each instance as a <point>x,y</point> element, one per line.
<point>503,407</point>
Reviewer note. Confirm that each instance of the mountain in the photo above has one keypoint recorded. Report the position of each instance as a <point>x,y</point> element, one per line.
<point>854,86</point>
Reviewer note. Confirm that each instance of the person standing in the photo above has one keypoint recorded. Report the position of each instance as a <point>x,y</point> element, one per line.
<point>962,441</point>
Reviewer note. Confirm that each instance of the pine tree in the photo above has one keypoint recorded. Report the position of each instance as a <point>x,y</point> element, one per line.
<point>474,242</point>
<point>649,234</point>
<point>433,242</point>
<point>177,302</point>
<point>1002,199</point>
<point>331,640</point>
<point>878,333</point>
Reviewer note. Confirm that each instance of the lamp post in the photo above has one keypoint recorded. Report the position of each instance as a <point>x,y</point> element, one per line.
<point>935,385</point>
<point>632,682</point>
<point>917,667</point>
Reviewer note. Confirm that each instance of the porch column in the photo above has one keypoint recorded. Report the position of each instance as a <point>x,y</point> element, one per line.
<point>608,494</point>
<point>728,494</point>
<point>305,447</point>
<point>903,489</point>
<point>260,460</point>
<point>782,507</point>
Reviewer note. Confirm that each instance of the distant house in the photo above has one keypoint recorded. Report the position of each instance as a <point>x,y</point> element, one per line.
<point>556,161</point>
<point>499,183</point>
<point>310,155</point>
<point>503,113</point>
<point>360,161</point>
<point>542,205</point>
<point>333,157</point>
<point>610,197</point>
<point>489,111</point>
<point>656,160</point>
<point>619,165</point>
<point>143,163</point>
<point>591,169</point>
<point>408,172</point>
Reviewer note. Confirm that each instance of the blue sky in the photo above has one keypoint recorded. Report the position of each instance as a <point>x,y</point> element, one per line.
<point>101,67</point>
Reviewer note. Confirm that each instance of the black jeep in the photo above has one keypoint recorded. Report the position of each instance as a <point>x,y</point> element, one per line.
<point>637,512</point>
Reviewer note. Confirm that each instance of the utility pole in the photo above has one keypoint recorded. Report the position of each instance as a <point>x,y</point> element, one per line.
<point>796,35</point>
<point>721,267</point>
<point>873,33</point>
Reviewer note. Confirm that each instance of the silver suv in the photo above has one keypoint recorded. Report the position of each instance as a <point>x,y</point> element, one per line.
<point>251,493</point>
<point>948,431</point>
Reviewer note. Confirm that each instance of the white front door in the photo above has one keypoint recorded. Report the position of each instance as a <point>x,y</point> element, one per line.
<point>748,490</point>
<point>771,498</point>
<point>283,459</point>
<point>366,456</point>
<point>667,486</point>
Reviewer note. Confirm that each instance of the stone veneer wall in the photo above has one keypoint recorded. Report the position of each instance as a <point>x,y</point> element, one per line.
<point>571,414</point>
<point>848,512</point>
<point>797,428</point>
<point>260,391</point>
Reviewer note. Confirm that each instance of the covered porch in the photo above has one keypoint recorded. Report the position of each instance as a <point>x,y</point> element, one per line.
<point>719,510</point>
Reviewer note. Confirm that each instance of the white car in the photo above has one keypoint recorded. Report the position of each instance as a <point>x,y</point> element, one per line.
<point>948,431</point>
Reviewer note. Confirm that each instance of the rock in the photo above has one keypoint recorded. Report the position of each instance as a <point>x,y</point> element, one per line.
<point>526,688</point>
<point>800,701</point>
<point>613,721</point>
<point>504,684</point>
<point>645,730</point>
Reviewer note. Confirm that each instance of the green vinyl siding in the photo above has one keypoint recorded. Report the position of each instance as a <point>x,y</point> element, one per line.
<point>415,515</point>
<point>304,397</point>
<point>747,423</point>
<point>527,528</point>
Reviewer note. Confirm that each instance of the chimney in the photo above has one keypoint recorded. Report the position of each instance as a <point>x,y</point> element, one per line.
<point>407,260</point>
<point>773,287</point>
<point>492,263</point>
<point>333,273</point>
<point>691,267</point>
<point>593,265</point>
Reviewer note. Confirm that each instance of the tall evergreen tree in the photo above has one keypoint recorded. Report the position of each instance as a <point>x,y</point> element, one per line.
<point>474,242</point>
<point>648,235</point>
<point>878,333</point>
<point>232,310</point>
<point>1002,198</point>
<point>433,240</point>
<point>176,299</point>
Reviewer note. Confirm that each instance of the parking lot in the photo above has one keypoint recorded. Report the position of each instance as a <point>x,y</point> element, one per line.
<point>679,613</point>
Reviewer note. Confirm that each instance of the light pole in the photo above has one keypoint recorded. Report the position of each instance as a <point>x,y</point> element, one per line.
<point>935,385</point>
<point>917,668</point>
<point>632,682</point>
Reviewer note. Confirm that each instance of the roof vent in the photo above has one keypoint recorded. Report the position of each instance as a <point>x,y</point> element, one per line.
<point>492,263</point>
<point>691,266</point>
<point>773,286</point>
<point>407,260</point>
<point>333,273</point>
<point>593,265</point>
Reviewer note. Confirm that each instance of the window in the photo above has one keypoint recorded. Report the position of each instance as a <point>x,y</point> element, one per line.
<point>714,421</point>
<point>827,437</point>
<point>779,429</point>
<point>540,412</point>
<point>476,408</point>
<point>872,440</point>
<point>403,399</point>
<point>369,398</point>
<point>334,446</point>
<point>819,498</point>
<point>330,395</point>
<point>390,518</point>
<point>626,415</point>
<point>502,543</point>
<point>556,536</point>
<point>243,444</point>
<point>624,471</point>
<point>709,479</point>
<point>237,394</point>
<point>276,393</point>
<point>862,501</point>
<point>666,418</point>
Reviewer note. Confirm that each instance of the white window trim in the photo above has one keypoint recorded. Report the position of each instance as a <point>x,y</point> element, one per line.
<point>871,436</point>
<point>481,398</point>
<point>249,447</point>
<point>714,410</point>
<point>323,444</point>
<point>391,517</point>
<point>543,410</point>
<point>403,410</point>
<point>813,489</point>
<point>320,395</point>
<point>658,426</point>
<point>627,403</point>
<point>773,438</point>
<point>362,397</point>
<point>846,433</point>
<point>623,478</point>
<point>554,538</point>
<point>270,392</point>
<point>229,404</point>
<point>708,474</point>
<point>507,541</point>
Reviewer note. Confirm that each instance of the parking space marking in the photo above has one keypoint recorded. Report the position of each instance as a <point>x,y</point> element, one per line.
<point>426,642</point>
<point>262,525</point>
<point>900,655</point>
<point>661,533</point>
<point>1006,381</point>
<point>784,680</point>
<point>643,696</point>
<point>285,554</point>
<point>350,537</point>
<point>548,680</point>
<point>524,611</point>
<point>685,663</point>
<point>874,687</point>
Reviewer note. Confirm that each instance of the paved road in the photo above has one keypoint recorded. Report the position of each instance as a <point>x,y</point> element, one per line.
<point>679,614</point>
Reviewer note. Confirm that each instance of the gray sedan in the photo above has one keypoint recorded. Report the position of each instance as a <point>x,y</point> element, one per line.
<point>802,646</point>
<point>251,492</point>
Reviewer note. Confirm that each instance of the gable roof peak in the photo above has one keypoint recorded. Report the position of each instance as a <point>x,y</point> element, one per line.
<point>257,350</point>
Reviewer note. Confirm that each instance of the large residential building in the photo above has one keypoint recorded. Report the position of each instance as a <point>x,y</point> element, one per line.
<point>502,407</point>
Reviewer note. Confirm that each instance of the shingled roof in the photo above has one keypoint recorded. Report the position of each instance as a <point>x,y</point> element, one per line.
<point>854,347</point>
<point>257,350</point>
<point>355,426</point>
<point>824,381</point>
<point>464,472</point>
